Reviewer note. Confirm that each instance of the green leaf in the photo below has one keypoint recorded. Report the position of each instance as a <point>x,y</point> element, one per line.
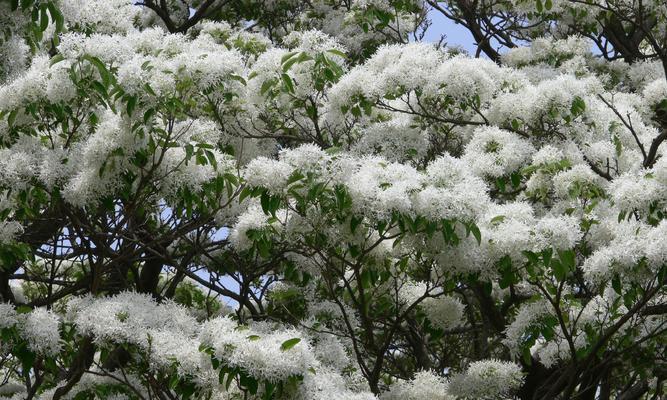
<point>288,344</point>
<point>289,85</point>
<point>500,184</point>
<point>476,233</point>
<point>559,270</point>
<point>288,56</point>
<point>498,219</point>
<point>57,16</point>
<point>148,115</point>
<point>266,86</point>
<point>238,78</point>
<point>287,64</point>
<point>546,256</point>
<point>507,275</point>
<point>23,309</point>
<point>269,389</point>
<point>354,223</point>
<point>211,159</point>
<point>616,285</point>
<point>578,106</point>
<point>131,104</point>
<point>249,383</point>
<point>43,17</point>
<point>265,201</point>
<point>245,192</point>
<point>567,258</point>
<point>527,357</point>
<point>56,59</point>
<point>618,146</point>
<point>337,52</point>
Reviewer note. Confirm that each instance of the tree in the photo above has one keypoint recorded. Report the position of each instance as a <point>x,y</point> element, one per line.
<point>288,199</point>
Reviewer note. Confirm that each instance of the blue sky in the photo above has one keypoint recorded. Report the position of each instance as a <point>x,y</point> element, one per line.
<point>456,34</point>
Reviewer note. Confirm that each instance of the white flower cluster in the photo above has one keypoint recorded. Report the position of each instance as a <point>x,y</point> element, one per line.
<point>424,386</point>
<point>411,292</point>
<point>253,218</point>
<point>397,140</point>
<point>171,336</point>
<point>636,191</point>
<point>326,385</point>
<point>488,379</point>
<point>39,327</point>
<point>634,253</point>
<point>512,228</point>
<point>493,152</point>
<point>9,230</point>
<point>258,350</point>
<point>378,187</point>
<point>535,104</point>
<point>115,16</point>
<point>445,312</point>
<point>128,317</point>
<point>548,50</point>
<point>393,69</point>
<point>166,331</point>
<point>529,314</point>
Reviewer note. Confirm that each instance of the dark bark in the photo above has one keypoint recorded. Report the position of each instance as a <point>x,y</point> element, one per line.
<point>82,361</point>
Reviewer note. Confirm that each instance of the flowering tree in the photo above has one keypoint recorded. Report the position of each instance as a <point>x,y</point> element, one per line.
<point>217,199</point>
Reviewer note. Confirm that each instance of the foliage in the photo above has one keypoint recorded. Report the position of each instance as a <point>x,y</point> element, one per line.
<point>282,199</point>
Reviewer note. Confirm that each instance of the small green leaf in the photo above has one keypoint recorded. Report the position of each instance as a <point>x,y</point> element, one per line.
<point>616,285</point>
<point>131,104</point>
<point>288,344</point>
<point>618,146</point>
<point>266,86</point>
<point>578,106</point>
<point>289,84</point>
<point>337,52</point>
<point>476,233</point>
<point>43,17</point>
<point>56,59</point>
<point>288,56</point>
<point>559,270</point>
<point>498,219</point>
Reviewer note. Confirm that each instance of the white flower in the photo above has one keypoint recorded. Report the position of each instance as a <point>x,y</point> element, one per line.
<point>259,350</point>
<point>8,316</point>
<point>529,314</point>
<point>493,152</point>
<point>635,192</point>
<point>252,219</point>
<point>444,312</point>
<point>269,174</point>
<point>41,328</point>
<point>326,385</point>
<point>306,158</point>
<point>425,385</point>
<point>129,318</point>
<point>9,230</point>
<point>575,179</point>
<point>487,379</point>
<point>547,154</point>
<point>378,187</point>
<point>411,291</point>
